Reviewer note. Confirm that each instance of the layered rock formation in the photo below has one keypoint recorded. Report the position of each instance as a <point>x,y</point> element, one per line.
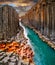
<point>8,22</point>
<point>42,17</point>
<point>14,49</point>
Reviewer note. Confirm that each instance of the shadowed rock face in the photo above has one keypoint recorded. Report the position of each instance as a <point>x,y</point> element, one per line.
<point>8,22</point>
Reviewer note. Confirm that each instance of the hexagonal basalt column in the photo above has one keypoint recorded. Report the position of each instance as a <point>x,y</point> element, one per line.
<point>8,22</point>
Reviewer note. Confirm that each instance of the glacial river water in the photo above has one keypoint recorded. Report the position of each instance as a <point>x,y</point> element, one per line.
<point>43,54</point>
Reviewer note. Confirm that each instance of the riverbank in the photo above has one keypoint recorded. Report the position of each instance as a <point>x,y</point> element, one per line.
<point>20,47</point>
<point>44,54</point>
<point>48,41</point>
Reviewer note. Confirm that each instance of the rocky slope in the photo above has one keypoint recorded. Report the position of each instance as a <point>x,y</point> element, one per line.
<point>10,59</point>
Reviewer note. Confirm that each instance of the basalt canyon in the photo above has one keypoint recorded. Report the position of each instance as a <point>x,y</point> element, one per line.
<point>27,32</point>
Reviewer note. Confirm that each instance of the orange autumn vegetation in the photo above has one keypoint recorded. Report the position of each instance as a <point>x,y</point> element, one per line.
<point>23,50</point>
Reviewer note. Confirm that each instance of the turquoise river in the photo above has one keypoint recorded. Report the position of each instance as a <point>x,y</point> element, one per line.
<point>44,54</point>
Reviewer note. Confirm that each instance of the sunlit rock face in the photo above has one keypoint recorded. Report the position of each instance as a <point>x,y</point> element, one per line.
<point>42,18</point>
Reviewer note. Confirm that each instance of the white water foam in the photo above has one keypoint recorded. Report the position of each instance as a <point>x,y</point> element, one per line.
<point>25,34</point>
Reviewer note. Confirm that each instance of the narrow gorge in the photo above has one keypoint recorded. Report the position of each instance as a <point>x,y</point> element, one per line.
<point>27,32</point>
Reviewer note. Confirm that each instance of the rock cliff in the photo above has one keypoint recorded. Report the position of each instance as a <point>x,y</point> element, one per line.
<point>8,22</point>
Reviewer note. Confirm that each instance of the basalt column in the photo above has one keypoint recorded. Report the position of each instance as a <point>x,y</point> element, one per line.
<point>49,21</point>
<point>41,21</point>
<point>53,23</point>
<point>45,20</point>
<point>48,33</point>
<point>5,22</point>
<point>1,34</point>
<point>8,22</point>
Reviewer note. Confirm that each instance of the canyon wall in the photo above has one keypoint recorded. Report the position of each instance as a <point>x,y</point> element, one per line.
<point>8,22</point>
<point>42,17</point>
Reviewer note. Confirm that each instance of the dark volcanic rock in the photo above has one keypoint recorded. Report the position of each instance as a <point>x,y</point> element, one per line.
<point>10,60</point>
<point>8,22</point>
